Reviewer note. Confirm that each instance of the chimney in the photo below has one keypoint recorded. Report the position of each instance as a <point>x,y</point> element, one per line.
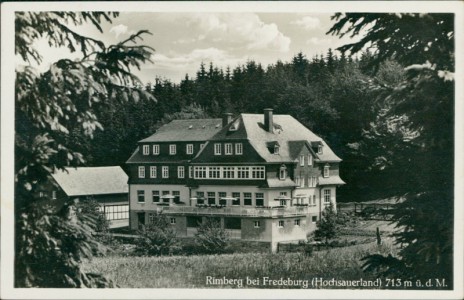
<point>226,119</point>
<point>268,122</point>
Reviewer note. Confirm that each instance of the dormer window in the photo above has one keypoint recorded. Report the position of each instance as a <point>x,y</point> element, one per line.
<point>189,149</point>
<point>319,149</point>
<point>156,149</point>
<point>146,149</point>
<point>172,149</point>
<point>217,149</point>
<point>228,149</point>
<point>276,149</point>
<point>326,170</point>
<point>283,172</point>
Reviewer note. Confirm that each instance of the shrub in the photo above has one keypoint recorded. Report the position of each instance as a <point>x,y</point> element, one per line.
<point>211,238</point>
<point>157,238</point>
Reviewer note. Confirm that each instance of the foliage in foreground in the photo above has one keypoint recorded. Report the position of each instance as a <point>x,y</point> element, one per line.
<point>49,106</point>
<point>412,137</point>
<point>191,271</point>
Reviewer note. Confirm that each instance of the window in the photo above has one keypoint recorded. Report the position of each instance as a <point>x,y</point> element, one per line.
<point>152,172</point>
<point>237,198</point>
<point>116,212</point>
<point>172,149</point>
<point>217,149</point>
<point>326,171</point>
<point>54,195</point>
<point>319,149</point>
<point>283,202</point>
<point>156,149</point>
<point>172,221</point>
<point>257,224</point>
<point>141,172</point>
<point>296,222</point>
<point>155,196</point>
<point>176,195</point>
<point>190,172</point>
<point>151,218</point>
<point>310,160</point>
<point>200,197</point>
<point>312,181</point>
<point>164,193</point>
<point>214,172</point>
<point>326,196</point>
<point>276,149</point>
<point>222,195</point>
<point>283,194</point>
<point>243,172</point>
<point>165,172</point>
<point>180,172</point>
<point>146,149</point>
<point>314,200</point>
<point>200,172</point>
<point>259,197</point>
<point>257,172</point>
<point>189,149</point>
<point>302,180</point>
<point>302,160</point>
<point>283,172</point>
<point>247,198</point>
<point>238,149</point>
<point>211,197</point>
<point>314,219</point>
<point>228,149</point>
<point>41,194</point>
<point>228,172</point>
<point>141,196</point>
<point>281,224</point>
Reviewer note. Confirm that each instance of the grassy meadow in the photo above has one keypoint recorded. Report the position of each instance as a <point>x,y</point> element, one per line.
<point>191,271</point>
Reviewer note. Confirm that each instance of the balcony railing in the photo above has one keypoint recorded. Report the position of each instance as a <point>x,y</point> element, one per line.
<point>237,211</point>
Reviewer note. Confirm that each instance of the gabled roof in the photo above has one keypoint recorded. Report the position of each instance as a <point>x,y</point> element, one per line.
<point>290,134</point>
<point>186,131</point>
<point>332,180</point>
<point>92,181</point>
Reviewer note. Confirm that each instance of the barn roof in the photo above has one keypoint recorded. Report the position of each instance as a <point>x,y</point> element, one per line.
<point>85,181</point>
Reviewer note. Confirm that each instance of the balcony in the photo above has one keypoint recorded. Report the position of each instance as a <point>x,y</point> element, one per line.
<point>237,211</point>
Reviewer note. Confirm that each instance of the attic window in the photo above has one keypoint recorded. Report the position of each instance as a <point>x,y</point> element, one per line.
<point>319,149</point>
<point>276,149</point>
<point>234,126</point>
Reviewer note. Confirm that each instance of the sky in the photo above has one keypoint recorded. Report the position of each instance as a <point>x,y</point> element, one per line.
<point>182,41</point>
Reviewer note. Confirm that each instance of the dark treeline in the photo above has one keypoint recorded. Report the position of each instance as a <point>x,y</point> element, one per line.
<point>329,94</point>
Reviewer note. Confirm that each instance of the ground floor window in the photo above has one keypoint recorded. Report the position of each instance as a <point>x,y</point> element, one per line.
<point>326,196</point>
<point>194,221</point>
<point>247,198</point>
<point>297,222</point>
<point>281,224</point>
<point>173,221</point>
<point>116,212</point>
<point>232,223</point>
<point>314,219</point>
<point>257,224</point>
